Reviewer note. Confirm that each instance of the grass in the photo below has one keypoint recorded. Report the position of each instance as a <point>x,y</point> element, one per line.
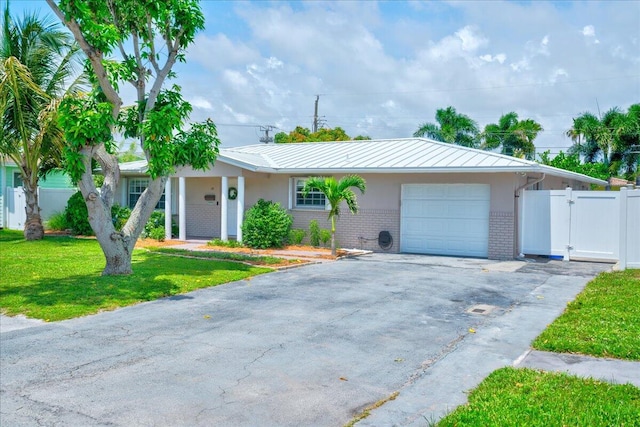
<point>230,256</point>
<point>525,397</point>
<point>60,277</point>
<point>603,321</point>
<point>225,243</point>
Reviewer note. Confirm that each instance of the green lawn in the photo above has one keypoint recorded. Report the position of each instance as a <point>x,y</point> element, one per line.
<point>525,397</point>
<point>604,320</point>
<point>60,277</point>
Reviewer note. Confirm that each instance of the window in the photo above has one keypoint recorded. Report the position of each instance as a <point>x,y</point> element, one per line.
<point>17,180</point>
<point>136,188</point>
<point>315,199</point>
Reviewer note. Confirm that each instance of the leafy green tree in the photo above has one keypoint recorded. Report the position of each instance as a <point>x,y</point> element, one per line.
<point>335,192</point>
<point>514,137</point>
<point>301,134</point>
<point>37,59</point>
<point>571,162</point>
<point>149,36</point>
<point>451,127</point>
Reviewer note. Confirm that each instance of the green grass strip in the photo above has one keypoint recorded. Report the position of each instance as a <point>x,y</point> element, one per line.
<point>525,397</point>
<point>231,256</point>
<point>60,277</point>
<point>603,321</point>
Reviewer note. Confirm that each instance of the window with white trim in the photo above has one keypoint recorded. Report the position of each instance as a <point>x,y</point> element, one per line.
<point>137,187</point>
<point>315,199</point>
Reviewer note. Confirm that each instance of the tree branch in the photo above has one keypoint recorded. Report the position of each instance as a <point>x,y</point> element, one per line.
<point>154,62</point>
<point>95,57</point>
<point>162,74</point>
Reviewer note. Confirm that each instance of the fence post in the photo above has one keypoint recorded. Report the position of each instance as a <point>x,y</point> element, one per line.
<point>567,250</point>
<point>622,248</point>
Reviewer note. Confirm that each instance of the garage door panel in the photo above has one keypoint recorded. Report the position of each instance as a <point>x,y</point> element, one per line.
<point>474,228</point>
<point>446,219</point>
<point>441,209</point>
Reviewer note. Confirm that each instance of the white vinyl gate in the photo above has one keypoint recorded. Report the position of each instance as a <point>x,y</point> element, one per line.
<point>590,225</point>
<point>16,214</point>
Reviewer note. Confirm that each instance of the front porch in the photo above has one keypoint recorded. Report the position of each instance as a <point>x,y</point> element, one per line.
<point>220,212</point>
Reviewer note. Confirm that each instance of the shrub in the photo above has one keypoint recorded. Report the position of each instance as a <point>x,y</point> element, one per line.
<point>154,228</point>
<point>266,225</point>
<point>56,222</point>
<point>314,233</point>
<point>296,236</point>
<point>77,216</point>
<point>157,234</point>
<point>325,236</point>
<point>119,216</point>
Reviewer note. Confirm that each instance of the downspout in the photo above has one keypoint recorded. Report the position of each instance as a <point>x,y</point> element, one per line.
<point>516,215</point>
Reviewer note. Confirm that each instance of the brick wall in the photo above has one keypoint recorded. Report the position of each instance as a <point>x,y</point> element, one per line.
<point>366,224</point>
<point>203,220</point>
<point>501,237</point>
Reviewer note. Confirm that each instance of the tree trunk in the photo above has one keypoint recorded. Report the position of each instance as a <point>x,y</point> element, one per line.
<point>33,229</point>
<point>117,246</point>
<point>334,252</point>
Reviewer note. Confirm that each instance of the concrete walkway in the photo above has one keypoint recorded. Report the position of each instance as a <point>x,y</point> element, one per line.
<point>610,370</point>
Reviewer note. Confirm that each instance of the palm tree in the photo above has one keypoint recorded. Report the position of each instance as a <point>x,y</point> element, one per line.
<point>515,137</point>
<point>593,135</point>
<point>452,127</point>
<point>36,60</point>
<point>335,192</point>
<point>625,156</point>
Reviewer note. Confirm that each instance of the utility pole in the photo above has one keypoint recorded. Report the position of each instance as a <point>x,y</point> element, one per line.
<point>266,129</point>
<point>315,115</point>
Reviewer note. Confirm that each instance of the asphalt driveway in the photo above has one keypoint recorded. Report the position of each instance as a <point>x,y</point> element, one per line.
<point>308,346</point>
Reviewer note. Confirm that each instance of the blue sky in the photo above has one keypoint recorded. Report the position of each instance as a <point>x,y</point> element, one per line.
<point>384,68</point>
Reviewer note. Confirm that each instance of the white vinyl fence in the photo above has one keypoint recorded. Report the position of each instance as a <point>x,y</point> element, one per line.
<point>584,225</point>
<point>51,200</point>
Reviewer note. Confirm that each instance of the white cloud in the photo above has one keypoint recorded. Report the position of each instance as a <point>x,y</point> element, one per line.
<point>500,58</point>
<point>556,74</point>
<point>200,102</point>
<point>589,31</point>
<point>218,51</point>
<point>385,74</point>
<point>463,42</point>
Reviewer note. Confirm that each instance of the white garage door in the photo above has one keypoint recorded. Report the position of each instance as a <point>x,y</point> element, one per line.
<point>445,219</point>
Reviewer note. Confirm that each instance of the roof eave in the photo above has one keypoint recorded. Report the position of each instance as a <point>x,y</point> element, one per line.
<point>513,169</point>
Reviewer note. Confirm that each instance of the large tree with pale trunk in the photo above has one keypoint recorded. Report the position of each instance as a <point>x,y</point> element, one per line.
<point>134,42</point>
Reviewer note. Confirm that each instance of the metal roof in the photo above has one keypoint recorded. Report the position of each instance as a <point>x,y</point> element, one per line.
<point>138,166</point>
<point>410,155</point>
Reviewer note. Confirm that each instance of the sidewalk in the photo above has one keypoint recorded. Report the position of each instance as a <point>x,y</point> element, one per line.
<point>611,370</point>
